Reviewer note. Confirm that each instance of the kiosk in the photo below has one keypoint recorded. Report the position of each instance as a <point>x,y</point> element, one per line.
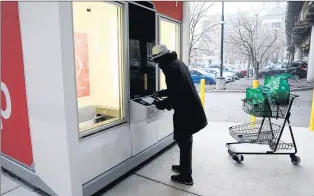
<point>76,86</point>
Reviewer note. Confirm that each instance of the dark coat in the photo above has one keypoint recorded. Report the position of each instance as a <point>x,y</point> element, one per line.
<point>189,116</point>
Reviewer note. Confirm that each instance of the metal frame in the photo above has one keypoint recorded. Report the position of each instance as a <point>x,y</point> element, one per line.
<point>32,168</point>
<point>125,77</point>
<point>125,68</point>
<point>25,174</point>
<point>154,10</point>
<point>233,152</point>
<point>158,17</point>
<point>157,40</point>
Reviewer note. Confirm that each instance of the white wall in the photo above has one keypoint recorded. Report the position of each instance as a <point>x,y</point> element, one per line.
<point>51,95</point>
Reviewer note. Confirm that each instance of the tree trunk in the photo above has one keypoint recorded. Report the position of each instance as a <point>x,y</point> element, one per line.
<point>248,68</point>
<point>256,68</point>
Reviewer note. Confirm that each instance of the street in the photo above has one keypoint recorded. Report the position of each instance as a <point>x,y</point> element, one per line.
<point>227,107</point>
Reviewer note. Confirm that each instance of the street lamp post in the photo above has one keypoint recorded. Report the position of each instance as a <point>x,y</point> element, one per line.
<point>220,81</point>
<point>222,39</point>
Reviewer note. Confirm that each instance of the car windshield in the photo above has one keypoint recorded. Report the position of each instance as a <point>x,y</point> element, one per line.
<point>267,68</point>
<point>213,70</point>
<point>294,64</point>
<point>278,66</point>
<point>202,72</point>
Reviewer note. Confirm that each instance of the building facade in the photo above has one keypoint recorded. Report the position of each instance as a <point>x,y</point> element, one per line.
<point>299,27</point>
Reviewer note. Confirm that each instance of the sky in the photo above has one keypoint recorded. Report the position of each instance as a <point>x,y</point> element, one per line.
<point>230,7</point>
<point>233,7</point>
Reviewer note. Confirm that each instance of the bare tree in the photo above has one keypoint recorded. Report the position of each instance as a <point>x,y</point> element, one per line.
<point>197,28</point>
<point>249,38</point>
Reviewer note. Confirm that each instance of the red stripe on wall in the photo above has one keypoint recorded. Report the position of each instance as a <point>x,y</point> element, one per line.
<point>172,9</point>
<point>16,140</point>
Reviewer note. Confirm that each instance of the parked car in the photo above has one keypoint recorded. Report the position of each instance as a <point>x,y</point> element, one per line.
<point>298,69</point>
<point>229,77</point>
<point>197,75</point>
<point>234,70</point>
<point>225,70</point>
<point>272,70</point>
<point>242,69</point>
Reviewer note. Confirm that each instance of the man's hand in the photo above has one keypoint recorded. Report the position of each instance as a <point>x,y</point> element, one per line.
<point>162,93</point>
<point>164,104</point>
<point>157,104</point>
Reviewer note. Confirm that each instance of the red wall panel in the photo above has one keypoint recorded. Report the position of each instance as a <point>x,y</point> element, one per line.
<point>172,9</point>
<point>16,140</point>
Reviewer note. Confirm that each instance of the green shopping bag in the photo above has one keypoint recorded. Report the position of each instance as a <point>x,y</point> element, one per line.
<point>279,88</point>
<point>255,95</point>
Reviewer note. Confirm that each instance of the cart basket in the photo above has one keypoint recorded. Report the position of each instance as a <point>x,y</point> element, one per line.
<point>257,132</point>
<point>266,109</point>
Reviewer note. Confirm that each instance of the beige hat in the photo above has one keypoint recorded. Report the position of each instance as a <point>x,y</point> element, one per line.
<point>159,50</point>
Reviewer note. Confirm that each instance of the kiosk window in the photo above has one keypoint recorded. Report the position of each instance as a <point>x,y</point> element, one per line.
<point>98,47</point>
<point>141,41</point>
<point>169,33</point>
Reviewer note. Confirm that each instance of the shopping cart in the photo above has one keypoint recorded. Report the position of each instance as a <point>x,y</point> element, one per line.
<point>264,132</point>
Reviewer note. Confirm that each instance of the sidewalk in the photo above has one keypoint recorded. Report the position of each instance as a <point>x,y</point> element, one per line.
<point>214,172</point>
<point>11,187</point>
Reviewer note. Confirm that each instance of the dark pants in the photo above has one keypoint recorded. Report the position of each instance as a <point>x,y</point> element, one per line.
<point>185,145</point>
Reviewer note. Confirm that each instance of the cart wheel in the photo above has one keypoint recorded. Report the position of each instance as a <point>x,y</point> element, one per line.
<point>238,158</point>
<point>272,146</point>
<point>295,159</point>
<point>230,152</point>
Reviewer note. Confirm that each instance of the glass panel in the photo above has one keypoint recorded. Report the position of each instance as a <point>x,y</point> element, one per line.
<point>141,40</point>
<point>98,62</point>
<point>169,35</point>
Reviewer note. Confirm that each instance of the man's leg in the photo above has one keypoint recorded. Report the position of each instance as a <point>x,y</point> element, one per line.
<point>185,146</point>
<point>185,169</point>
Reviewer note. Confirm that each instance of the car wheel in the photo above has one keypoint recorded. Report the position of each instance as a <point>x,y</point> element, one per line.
<point>207,82</point>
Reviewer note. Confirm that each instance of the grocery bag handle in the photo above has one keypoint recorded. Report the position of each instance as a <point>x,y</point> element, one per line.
<point>265,88</point>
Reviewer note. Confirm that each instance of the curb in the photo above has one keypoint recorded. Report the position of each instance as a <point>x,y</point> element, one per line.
<point>243,90</point>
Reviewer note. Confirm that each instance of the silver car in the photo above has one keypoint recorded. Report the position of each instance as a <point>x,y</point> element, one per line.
<point>229,77</point>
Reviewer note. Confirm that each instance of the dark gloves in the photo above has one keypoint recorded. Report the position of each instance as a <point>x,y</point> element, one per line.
<point>163,104</point>
<point>162,93</point>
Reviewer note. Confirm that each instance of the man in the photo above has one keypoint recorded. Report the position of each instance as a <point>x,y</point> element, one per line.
<point>189,116</point>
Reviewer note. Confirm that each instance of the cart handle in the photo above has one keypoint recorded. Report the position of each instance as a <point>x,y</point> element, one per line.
<point>293,95</point>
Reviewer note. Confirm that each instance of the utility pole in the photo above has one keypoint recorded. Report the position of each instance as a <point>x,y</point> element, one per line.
<point>220,81</point>
<point>222,39</point>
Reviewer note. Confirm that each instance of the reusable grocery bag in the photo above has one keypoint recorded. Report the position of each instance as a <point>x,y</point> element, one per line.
<point>255,95</point>
<point>279,88</point>
<point>256,102</point>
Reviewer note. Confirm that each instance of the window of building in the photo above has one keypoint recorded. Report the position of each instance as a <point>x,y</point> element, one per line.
<point>276,25</point>
<point>169,35</point>
<point>98,62</point>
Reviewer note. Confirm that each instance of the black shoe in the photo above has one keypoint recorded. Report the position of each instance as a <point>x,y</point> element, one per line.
<point>176,168</point>
<point>187,180</point>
